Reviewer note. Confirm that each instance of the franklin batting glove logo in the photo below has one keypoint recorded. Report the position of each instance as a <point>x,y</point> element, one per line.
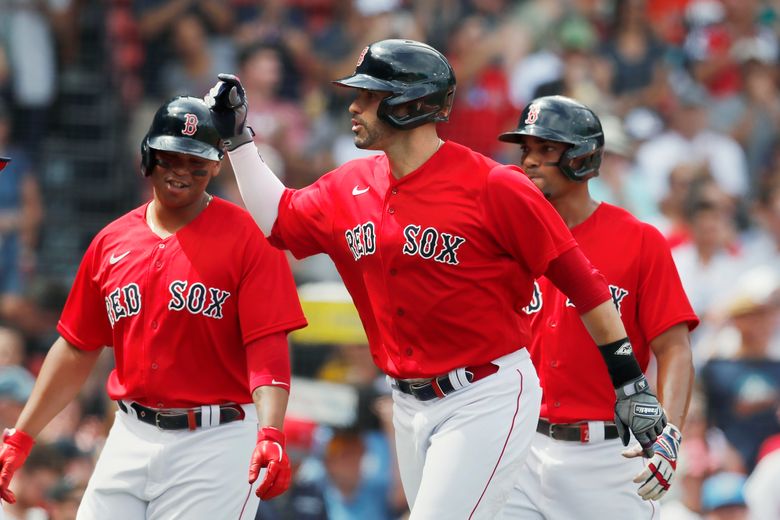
<point>643,410</point>
<point>624,350</point>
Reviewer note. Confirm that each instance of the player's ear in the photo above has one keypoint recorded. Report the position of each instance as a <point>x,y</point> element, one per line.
<point>217,168</point>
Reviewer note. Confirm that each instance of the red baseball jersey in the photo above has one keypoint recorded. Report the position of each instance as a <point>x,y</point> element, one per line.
<point>179,311</point>
<point>437,262</point>
<point>635,259</point>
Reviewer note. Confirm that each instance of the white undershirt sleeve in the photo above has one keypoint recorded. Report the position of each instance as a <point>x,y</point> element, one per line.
<point>259,187</point>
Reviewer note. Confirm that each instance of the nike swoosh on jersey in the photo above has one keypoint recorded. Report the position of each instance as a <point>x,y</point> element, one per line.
<point>115,259</point>
<point>281,383</point>
<point>357,191</point>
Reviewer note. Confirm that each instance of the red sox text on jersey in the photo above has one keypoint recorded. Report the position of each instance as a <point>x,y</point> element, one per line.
<point>428,243</point>
<point>195,298</point>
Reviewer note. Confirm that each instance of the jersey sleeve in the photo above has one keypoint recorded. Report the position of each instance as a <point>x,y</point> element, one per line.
<point>305,221</point>
<point>662,301</point>
<point>523,222</point>
<point>267,297</point>
<point>84,321</point>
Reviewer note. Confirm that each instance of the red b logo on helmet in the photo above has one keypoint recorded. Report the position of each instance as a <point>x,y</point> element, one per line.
<point>533,114</point>
<point>190,124</point>
<point>362,55</point>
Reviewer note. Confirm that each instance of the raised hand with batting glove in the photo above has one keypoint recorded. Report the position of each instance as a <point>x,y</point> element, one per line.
<point>637,409</point>
<point>228,105</point>
<point>16,447</point>
<point>269,454</point>
<point>656,478</point>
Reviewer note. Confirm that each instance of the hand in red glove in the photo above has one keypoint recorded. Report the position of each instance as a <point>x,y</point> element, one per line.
<point>16,447</point>
<point>269,454</point>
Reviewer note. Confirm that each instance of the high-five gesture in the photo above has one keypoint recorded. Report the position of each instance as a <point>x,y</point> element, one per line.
<point>227,102</point>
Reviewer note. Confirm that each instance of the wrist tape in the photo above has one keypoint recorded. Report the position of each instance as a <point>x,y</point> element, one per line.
<point>621,363</point>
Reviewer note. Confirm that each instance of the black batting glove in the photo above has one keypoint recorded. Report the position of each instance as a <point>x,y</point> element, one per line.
<point>228,105</point>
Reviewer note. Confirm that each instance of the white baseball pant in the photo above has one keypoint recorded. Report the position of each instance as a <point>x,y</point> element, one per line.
<point>568,479</point>
<point>145,472</point>
<point>459,456</point>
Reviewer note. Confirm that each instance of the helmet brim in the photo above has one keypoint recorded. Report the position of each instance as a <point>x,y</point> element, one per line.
<point>366,82</point>
<point>534,131</point>
<point>4,162</point>
<point>186,145</point>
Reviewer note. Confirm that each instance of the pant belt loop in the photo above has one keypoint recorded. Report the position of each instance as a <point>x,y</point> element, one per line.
<point>596,430</point>
<point>130,410</point>
<point>209,416</point>
<point>458,378</point>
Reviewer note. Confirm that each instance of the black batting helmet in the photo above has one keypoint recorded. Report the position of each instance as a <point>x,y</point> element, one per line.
<point>183,125</point>
<point>561,119</point>
<point>4,162</point>
<point>417,76</point>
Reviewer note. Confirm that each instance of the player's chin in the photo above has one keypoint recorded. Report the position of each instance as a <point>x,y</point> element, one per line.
<point>362,142</point>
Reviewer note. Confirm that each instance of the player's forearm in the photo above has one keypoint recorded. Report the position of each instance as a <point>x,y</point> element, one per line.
<point>603,323</point>
<point>271,404</point>
<point>260,189</point>
<point>61,377</point>
<point>675,372</point>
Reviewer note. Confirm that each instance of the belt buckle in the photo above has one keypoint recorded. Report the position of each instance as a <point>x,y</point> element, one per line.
<point>157,420</point>
<point>551,431</point>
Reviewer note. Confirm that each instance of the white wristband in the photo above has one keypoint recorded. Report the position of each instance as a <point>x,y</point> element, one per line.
<point>260,188</point>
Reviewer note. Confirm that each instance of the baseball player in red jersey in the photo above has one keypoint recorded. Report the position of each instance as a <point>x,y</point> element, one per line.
<point>427,239</point>
<point>575,468</point>
<point>197,319</point>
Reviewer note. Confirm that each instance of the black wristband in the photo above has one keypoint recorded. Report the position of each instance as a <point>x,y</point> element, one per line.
<point>621,363</point>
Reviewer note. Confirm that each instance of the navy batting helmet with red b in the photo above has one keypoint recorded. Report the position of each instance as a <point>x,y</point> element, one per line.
<point>564,120</point>
<point>419,78</point>
<point>183,125</point>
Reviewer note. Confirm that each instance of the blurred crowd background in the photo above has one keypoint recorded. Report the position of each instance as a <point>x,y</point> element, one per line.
<point>689,95</point>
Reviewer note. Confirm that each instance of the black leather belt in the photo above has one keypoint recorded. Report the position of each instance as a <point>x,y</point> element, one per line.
<point>438,387</point>
<point>577,432</point>
<point>181,419</point>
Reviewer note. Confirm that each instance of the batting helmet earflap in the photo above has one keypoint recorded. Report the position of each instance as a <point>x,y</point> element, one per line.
<point>4,162</point>
<point>564,120</point>
<point>419,78</point>
<point>183,124</point>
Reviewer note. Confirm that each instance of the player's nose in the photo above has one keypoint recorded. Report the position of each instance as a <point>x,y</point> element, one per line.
<point>529,160</point>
